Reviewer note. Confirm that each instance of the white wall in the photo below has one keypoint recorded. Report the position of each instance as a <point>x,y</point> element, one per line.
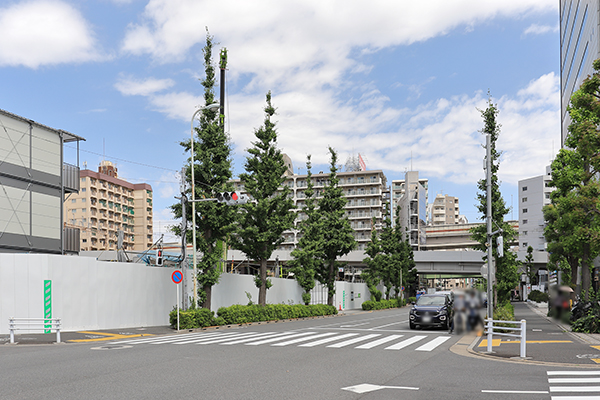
<point>88,294</point>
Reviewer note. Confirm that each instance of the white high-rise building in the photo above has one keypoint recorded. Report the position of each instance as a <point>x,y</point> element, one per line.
<point>534,194</point>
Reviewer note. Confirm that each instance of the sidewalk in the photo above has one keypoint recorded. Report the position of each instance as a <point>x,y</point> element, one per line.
<point>547,340</point>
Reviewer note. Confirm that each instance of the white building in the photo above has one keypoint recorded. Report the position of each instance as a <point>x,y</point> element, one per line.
<point>534,194</point>
<point>413,208</point>
<point>444,210</point>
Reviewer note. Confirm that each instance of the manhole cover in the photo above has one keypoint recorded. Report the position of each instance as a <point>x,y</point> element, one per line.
<point>111,347</point>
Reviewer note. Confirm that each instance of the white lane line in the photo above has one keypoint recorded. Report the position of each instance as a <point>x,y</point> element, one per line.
<point>160,338</point>
<point>575,398</point>
<point>352,326</point>
<point>278,338</point>
<point>263,336</point>
<point>367,387</point>
<point>433,344</point>
<point>573,380</point>
<point>516,391</point>
<point>569,389</point>
<point>378,342</point>
<point>573,373</point>
<point>383,326</point>
<point>331,339</point>
<point>352,341</point>
<point>406,342</point>
<point>303,339</point>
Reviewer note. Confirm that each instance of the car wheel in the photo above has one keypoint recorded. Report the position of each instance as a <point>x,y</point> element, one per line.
<point>411,325</point>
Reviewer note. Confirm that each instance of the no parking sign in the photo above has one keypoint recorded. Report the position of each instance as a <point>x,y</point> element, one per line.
<point>177,277</point>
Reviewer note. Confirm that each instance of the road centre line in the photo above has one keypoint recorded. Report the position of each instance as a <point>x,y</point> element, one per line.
<point>573,380</point>
<point>575,398</point>
<point>553,373</point>
<point>383,326</point>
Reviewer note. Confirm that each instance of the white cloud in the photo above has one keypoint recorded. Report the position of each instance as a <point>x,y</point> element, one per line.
<point>135,87</point>
<point>535,29</point>
<point>45,32</point>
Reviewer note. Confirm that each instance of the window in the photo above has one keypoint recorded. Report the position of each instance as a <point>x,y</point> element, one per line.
<point>524,210</point>
<point>524,233</point>
<point>547,195</point>
<point>524,188</point>
<point>83,210</point>
<point>524,221</point>
<point>83,189</point>
<point>524,200</point>
<point>83,200</point>
<point>73,200</point>
<point>525,244</point>
<point>82,180</point>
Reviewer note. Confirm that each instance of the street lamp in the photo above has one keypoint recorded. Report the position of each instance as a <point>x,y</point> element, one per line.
<point>210,107</point>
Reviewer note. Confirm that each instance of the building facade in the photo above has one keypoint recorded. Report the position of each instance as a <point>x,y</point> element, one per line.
<point>534,194</point>
<point>107,205</point>
<point>34,179</point>
<point>413,209</point>
<point>579,47</point>
<point>444,211</point>
<point>364,190</point>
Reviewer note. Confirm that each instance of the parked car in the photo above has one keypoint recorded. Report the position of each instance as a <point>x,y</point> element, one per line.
<point>431,310</point>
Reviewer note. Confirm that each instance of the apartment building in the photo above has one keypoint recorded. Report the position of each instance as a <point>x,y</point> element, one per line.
<point>534,194</point>
<point>413,209</point>
<point>364,190</point>
<point>444,211</point>
<point>579,48</point>
<point>107,205</point>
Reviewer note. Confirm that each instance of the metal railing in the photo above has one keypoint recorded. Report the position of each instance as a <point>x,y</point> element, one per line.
<point>41,324</point>
<point>70,178</point>
<point>489,330</point>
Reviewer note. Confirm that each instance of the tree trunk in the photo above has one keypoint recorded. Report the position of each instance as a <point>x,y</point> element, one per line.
<point>585,272</point>
<point>208,290</point>
<point>262,291</point>
<point>331,284</point>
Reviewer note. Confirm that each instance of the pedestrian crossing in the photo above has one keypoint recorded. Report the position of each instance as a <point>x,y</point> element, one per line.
<point>303,339</point>
<point>574,385</point>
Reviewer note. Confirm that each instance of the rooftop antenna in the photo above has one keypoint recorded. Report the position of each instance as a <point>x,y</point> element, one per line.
<point>411,168</point>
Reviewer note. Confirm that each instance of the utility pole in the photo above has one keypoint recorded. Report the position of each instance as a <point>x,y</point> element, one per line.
<point>488,169</point>
<point>183,264</point>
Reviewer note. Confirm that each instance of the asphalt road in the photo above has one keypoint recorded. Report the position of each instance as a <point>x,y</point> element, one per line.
<point>359,356</point>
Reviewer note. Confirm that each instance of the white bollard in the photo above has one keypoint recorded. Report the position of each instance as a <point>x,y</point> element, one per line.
<point>523,337</point>
<point>11,327</point>
<point>58,330</point>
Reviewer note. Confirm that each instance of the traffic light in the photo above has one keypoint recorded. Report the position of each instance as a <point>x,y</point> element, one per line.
<point>159,257</point>
<point>232,198</point>
<point>500,243</point>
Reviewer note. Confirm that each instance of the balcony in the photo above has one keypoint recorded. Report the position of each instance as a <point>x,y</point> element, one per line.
<point>71,240</point>
<point>70,178</point>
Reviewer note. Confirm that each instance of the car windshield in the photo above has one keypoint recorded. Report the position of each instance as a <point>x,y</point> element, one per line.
<point>431,301</point>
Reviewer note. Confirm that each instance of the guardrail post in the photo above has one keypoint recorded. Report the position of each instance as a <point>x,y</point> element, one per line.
<point>523,337</point>
<point>11,327</point>
<point>58,330</point>
<point>490,329</point>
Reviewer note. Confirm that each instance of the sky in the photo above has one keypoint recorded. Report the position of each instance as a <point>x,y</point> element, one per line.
<point>400,82</point>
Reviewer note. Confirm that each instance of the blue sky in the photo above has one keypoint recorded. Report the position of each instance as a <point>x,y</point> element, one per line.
<point>398,81</point>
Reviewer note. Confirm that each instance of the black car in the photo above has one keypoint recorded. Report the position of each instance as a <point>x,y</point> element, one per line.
<point>433,310</point>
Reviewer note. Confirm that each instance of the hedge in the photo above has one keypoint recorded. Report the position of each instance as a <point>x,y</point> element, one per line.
<point>382,304</point>
<point>238,314</point>
<point>538,297</point>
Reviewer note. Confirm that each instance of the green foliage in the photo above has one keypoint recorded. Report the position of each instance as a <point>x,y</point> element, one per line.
<point>591,322</point>
<point>192,318</point>
<point>538,297</point>
<point>259,282</point>
<point>412,300</point>
<point>212,171</point>
<point>269,215</point>
<point>504,312</point>
<point>238,314</point>
<point>337,236</point>
<point>383,304</point>
<point>308,253</point>
<point>507,276</point>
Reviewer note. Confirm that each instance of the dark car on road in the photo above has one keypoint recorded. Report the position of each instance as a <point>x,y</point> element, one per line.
<point>431,310</point>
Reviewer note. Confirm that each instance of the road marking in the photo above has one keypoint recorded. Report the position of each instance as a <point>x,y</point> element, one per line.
<point>164,338</point>
<point>405,343</point>
<point>367,387</point>
<point>352,326</point>
<point>303,339</point>
<point>263,336</point>
<point>433,344</point>
<point>331,339</point>
<point>575,398</point>
<point>383,326</point>
<point>498,342</point>
<point>569,389</point>
<point>572,373</point>
<point>573,380</point>
<point>596,347</point>
<point>253,335</point>
<point>105,336</point>
<point>378,342</point>
<point>191,339</point>
<point>516,391</point>
<point>352,341</point>
<point>278,338</point>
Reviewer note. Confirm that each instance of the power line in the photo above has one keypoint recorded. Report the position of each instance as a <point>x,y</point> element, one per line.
<point>123,160</point>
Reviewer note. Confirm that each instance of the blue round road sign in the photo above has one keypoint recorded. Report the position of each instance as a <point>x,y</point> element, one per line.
<point>177,276</point>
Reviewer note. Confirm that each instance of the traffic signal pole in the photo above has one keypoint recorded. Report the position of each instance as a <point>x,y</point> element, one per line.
<point>488,169</point>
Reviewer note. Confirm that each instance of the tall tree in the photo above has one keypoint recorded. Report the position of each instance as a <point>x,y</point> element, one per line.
<point>375,263</point>
<point>269,215</point>
<point>212,171</point>
<point>528,264</point>
<point>308,253</point>
<point>507,276</point>
<point>577,195</point>
<point>338,238</point>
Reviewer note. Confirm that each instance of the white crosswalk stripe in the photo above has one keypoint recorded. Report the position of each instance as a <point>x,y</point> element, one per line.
<point>308,339</point>
<point>575,384</point>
